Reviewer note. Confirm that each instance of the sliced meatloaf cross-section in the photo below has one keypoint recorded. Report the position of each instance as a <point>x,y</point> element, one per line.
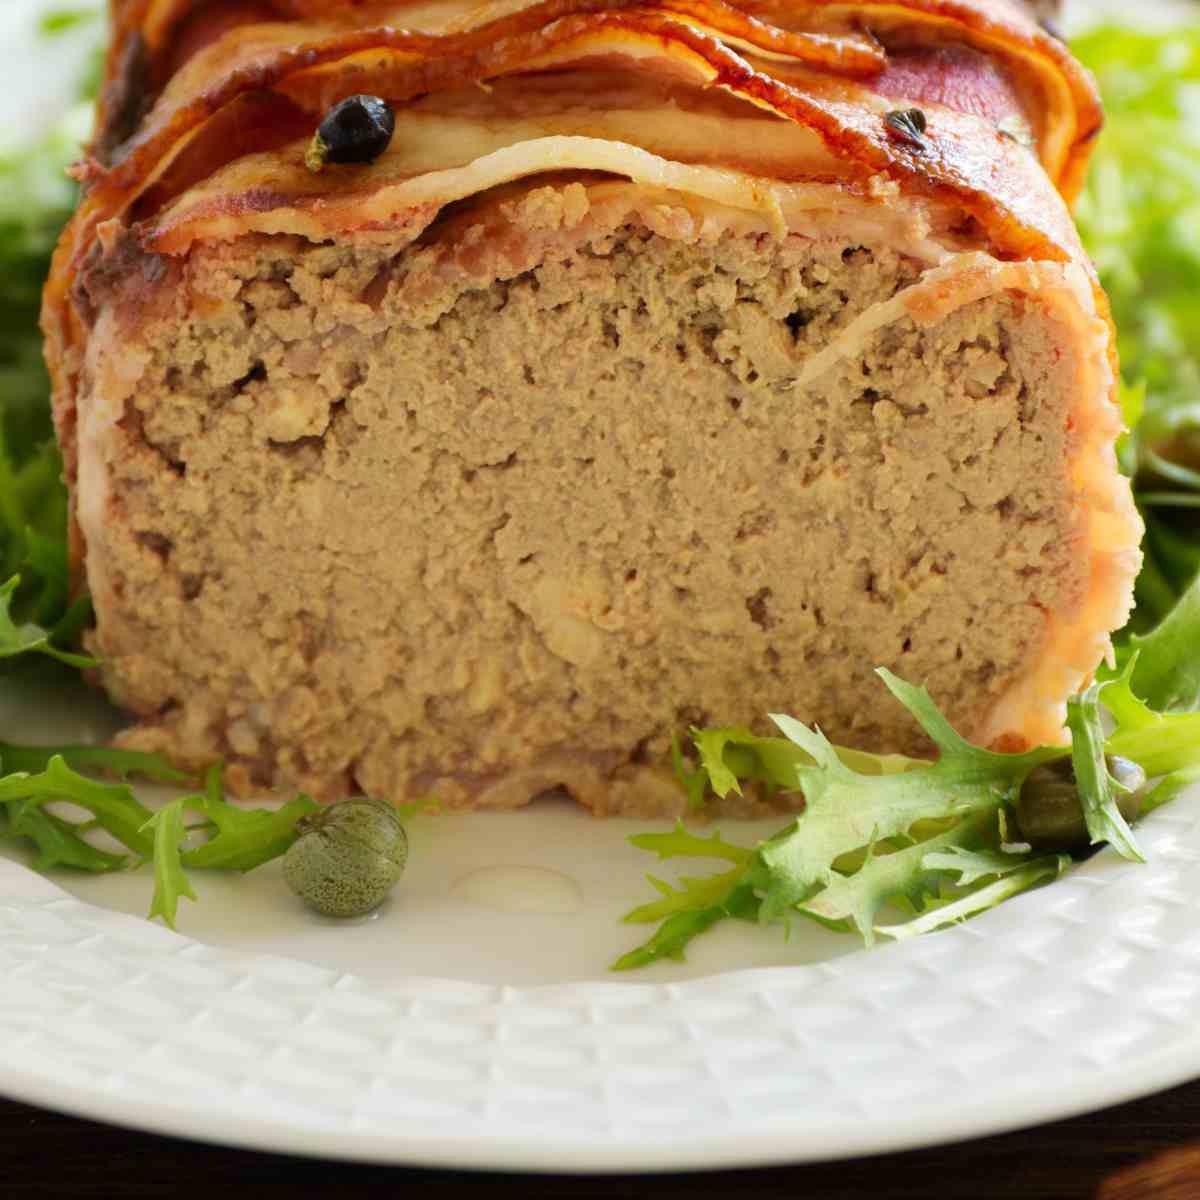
<point>490,483</point>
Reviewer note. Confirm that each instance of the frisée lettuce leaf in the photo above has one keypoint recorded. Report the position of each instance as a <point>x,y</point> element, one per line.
<point>40,614</point>
<point>930,840</point>
<point>48,802</point>
<point>1139,217</point>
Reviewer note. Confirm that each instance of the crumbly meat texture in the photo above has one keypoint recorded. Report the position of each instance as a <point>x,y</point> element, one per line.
<point>378,522</point>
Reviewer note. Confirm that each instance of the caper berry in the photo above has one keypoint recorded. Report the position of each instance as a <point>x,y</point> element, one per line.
<point>347,857</point>
<point>357,130</point>
<point>1049,813</point>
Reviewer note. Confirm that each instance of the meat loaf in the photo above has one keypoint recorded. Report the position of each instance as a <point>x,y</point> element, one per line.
<point>675,364</point>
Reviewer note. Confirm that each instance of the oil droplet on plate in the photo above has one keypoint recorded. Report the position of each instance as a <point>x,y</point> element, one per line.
<point>520,890</point>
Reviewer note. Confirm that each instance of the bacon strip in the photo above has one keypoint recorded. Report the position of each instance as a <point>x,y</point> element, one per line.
<point>207,107</point>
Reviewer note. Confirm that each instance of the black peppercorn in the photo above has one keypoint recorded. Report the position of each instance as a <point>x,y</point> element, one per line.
<point>907,125</point>
<point>358,130</point>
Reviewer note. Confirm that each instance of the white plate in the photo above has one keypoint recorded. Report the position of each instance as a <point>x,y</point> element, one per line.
<point>453,1031</point>
<point>448,1033</point>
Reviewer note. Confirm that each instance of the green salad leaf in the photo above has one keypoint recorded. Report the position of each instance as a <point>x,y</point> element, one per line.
<point>29,636</point>
<point>228,837</point>
<point>114,807</point>
<point>1168,657</point>
<point>240,839</point>
<point>846,811</point>
<point>1140,210</point>
<point>170,879</point>
<point>913,874</point>
<point>1139,216</point>
<point>1010,883</point>
<point>231,839</point>
<point>1096,785</point>
<point>688,910</point>
<point>121,763</point>
<point>930,841</point>
<point>1163,744</point>
<point>40,614</point>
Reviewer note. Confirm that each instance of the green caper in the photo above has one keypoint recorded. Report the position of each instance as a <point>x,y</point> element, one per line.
<point>1048,810</point>
<point>348,857</point>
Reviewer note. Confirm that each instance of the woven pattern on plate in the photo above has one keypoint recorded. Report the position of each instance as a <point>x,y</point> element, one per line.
<point>1076,995</point>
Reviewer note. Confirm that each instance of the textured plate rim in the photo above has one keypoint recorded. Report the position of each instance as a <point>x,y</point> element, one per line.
<point>774,1146</point>
<point>1124,924</point>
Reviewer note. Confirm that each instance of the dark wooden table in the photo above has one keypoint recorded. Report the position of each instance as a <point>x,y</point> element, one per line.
<point>1119,1150</point>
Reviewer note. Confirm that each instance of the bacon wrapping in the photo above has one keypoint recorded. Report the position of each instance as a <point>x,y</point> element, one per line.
<point>677,362</point>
